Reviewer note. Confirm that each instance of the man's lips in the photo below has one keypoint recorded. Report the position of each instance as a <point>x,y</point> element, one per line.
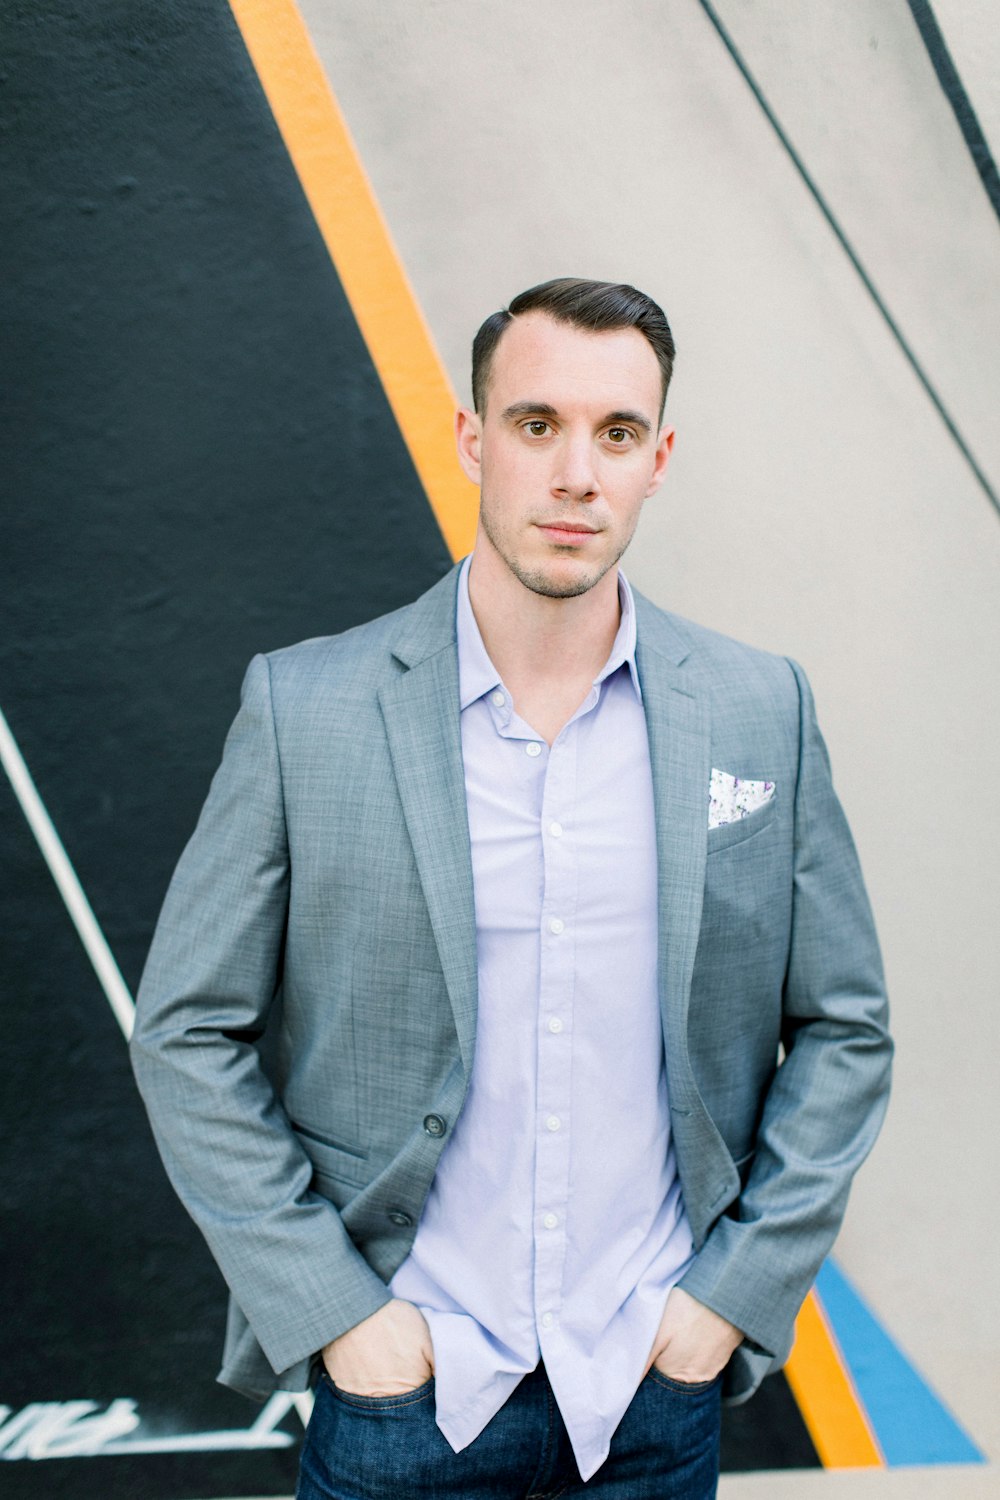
<point>568,533</point>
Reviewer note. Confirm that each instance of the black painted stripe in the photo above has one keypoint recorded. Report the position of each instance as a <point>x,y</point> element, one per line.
<point>852,255</point>
<point>961,105</point>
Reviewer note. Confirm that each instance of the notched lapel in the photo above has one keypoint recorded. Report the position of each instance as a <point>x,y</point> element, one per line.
<point>420,711</point>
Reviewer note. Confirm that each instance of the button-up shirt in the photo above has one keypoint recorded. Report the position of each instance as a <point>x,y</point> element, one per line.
<point>555,1225</point>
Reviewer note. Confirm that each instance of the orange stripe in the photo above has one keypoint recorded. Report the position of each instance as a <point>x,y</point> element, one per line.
<point>360,246</point>
<point>824,1391</point>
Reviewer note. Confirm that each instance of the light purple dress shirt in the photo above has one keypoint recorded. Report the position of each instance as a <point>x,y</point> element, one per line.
<point>555,1225</point>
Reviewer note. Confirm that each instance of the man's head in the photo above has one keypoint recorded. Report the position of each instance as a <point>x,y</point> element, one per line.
<point>597,306</point>
<point>567,441</point>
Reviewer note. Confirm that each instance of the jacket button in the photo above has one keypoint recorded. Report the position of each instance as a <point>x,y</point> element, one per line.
<point>435,1125</point>
<point>400,1217</point>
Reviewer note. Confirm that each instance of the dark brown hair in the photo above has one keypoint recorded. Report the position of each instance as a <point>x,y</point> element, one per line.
<point>595,305</point>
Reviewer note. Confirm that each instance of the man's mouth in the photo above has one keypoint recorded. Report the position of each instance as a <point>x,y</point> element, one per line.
<point>572,533</point>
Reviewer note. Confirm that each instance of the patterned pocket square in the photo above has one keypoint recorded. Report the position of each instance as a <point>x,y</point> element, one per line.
<point>731,797</point>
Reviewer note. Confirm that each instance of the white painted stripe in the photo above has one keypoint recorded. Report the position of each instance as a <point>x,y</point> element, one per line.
<point>304,1406</point>
<point>65,877</point>
<point>199,1442</point>
<point>76,1429</point>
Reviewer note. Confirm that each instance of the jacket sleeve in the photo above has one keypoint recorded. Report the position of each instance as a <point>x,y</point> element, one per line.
<point>827,1099</point>
<point>212,974</point>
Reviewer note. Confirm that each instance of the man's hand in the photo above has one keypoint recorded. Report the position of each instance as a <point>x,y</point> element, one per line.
<point>693,1342</point>
<point>387,1354</point>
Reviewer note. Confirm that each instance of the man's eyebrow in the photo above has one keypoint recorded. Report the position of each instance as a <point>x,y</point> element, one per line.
<point>528,409</point>
<point>631,418</point>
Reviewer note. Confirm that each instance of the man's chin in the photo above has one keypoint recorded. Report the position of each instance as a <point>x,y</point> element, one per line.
<point>559,579</point>
<point>559,583</point>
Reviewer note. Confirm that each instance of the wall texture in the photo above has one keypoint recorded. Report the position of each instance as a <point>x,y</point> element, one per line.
<point>201,462</point>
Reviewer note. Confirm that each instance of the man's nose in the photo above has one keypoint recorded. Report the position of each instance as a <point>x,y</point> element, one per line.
<point>575,476</point>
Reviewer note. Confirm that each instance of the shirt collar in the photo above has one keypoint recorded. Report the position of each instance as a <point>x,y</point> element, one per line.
<point>476,673</point>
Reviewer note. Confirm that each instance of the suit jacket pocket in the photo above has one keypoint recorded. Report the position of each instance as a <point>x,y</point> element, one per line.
<point>330,1158</point>
<point>727,835</point>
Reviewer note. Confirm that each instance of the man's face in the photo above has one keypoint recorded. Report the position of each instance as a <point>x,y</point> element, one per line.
<point>566,452</point>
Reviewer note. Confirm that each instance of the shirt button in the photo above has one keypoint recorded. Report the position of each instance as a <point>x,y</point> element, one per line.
<point>556,830</point>
<point>400,1218</point>
<point>550,1221</point>
<point>547,1320</point>
<point>557,925</point>
<point>532,748</point>
<point>434,1125</point>
<point>555,1025</point>
<point>498,698</point>
<point>553,1122</point>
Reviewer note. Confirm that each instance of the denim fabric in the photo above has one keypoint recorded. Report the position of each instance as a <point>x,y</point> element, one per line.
<point>390,1448</point>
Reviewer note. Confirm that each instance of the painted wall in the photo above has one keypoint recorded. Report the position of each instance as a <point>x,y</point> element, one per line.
<point>201,463</point>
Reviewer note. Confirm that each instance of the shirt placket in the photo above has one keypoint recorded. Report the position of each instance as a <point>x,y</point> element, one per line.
<point>554,1037</point>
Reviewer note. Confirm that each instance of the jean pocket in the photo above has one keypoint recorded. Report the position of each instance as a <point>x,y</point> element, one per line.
<point>683,1387</point>
<point>398,1402</point>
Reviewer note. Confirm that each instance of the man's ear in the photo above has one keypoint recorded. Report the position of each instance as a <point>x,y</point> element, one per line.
<point>468,438</point>
<point>664,448</point>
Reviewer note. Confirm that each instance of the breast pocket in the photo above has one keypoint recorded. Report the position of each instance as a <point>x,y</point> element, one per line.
<point>744,916</point>
<point>728,835</point>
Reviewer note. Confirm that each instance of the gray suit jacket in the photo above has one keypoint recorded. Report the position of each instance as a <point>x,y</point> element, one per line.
<point>331,869</point>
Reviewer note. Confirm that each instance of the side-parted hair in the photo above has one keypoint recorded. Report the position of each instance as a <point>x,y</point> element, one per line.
<point>598,306</point>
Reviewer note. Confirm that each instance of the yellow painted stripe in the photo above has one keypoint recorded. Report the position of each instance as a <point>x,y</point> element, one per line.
<point>362,251</point>
<point>823,1388</point>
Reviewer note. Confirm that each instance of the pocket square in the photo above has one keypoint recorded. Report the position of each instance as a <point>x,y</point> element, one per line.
<point>732,797</point>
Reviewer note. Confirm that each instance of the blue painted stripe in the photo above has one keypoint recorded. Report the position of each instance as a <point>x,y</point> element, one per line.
<point>911,1424</point>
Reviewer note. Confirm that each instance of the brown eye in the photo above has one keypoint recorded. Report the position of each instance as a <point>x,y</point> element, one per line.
<point>618,435</point>
<point>538,428</point>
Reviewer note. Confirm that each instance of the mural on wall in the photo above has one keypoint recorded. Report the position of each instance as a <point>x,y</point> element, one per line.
<point>232,433</point>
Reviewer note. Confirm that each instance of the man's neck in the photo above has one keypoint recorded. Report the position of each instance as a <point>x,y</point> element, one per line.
<point>547,650</point>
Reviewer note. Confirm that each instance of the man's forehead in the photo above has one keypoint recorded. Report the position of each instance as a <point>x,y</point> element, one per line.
<point>542,359</point>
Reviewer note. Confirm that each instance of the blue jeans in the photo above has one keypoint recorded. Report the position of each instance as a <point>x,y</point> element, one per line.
<point>390,1448</point>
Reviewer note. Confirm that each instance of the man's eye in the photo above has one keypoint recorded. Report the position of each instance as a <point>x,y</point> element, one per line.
<point>618,435</point>
<point>538,428</point>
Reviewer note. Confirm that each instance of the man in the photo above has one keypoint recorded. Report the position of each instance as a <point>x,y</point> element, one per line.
<point>547,881</point>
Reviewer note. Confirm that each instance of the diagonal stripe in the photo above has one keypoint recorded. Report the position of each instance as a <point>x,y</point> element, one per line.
<point>961,105</point>
<point>826,1397</point>
<point>911,1424</point>
<point>65,877</point>
<point>905,348</point>
<point>358,239</point>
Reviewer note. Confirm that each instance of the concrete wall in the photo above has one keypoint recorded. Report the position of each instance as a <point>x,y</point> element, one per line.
<point>203,466</point>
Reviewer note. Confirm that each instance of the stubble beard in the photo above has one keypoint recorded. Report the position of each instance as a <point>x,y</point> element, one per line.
<point>536,580</point>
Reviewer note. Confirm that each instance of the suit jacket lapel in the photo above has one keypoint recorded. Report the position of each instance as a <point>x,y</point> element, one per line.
<point>420,709</point>
<point>678,724</point>
<point>679,727</point>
